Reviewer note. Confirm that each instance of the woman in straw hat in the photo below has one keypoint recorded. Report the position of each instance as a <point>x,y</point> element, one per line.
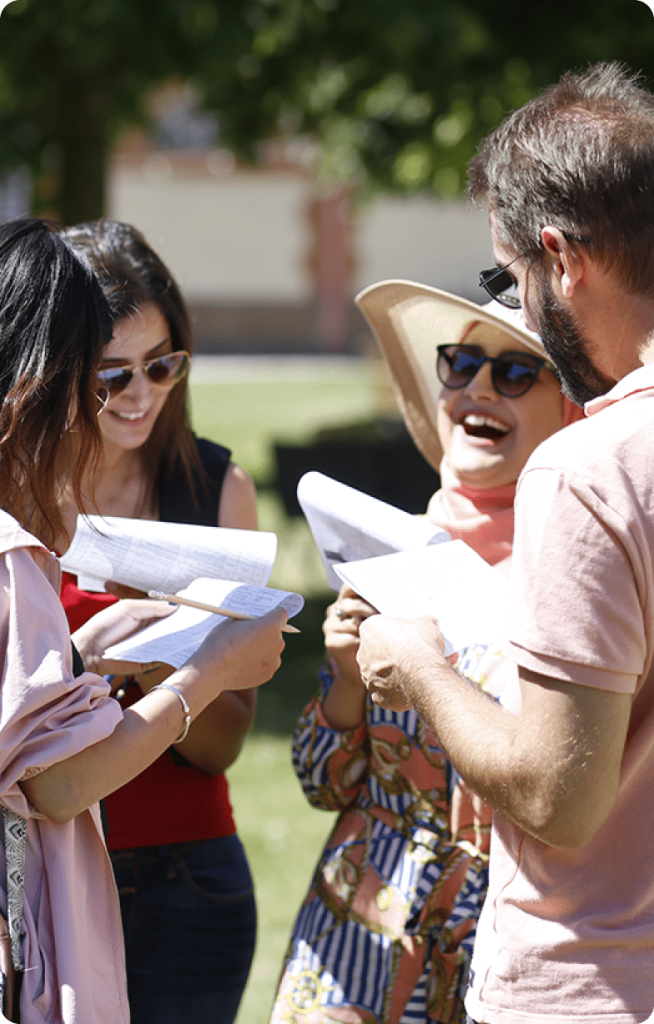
<point>386,930</point>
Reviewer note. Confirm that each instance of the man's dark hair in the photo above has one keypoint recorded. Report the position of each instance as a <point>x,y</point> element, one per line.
<point>579,157</point>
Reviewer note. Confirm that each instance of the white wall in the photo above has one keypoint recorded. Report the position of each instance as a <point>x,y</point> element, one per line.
<point>443,244</point>
<point>238,238</point>
<point>244,236</point>
<point>15,188</point>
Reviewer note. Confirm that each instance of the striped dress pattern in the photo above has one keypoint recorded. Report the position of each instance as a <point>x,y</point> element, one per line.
<point>385,933</point>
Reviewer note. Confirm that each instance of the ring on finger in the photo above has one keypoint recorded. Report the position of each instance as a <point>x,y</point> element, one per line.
<point>340,613</point>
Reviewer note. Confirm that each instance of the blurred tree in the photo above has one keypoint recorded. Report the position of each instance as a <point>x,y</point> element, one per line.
<point>72,72</point>
<point>397,93</point>
<point>400,92</point>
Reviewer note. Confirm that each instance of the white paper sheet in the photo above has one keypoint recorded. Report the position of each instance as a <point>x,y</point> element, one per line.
<point>174,639</point>
<point>165,556</point>
<point>348,525</point>
<point>449,581</point>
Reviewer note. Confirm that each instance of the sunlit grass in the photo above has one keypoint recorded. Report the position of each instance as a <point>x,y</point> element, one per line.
<point>286,401</point>
<point>282,836</point>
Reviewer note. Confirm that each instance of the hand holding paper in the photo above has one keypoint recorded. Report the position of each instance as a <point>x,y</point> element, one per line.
<point>112,625</point>
<point>175,639</point>
<point>403,565</point>
<point>392,655</point>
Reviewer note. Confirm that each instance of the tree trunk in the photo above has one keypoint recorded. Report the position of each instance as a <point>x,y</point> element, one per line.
<point>85,103</point>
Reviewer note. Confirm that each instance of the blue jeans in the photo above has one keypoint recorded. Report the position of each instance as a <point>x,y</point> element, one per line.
<point>189,919</point>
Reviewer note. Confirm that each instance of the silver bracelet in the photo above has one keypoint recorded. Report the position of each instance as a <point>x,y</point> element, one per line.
<point>186,709</point>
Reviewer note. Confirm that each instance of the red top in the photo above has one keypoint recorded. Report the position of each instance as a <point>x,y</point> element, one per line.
<point>169,802</point>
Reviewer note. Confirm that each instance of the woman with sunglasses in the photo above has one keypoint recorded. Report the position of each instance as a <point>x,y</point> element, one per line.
<point>185,886</point>
<point>65,741</point>
<point>386,930</point>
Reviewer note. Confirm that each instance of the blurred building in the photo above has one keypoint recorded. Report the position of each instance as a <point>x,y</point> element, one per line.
<point>268,261</point>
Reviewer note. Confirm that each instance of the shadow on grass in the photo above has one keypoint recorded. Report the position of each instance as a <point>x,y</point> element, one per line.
<point>281,700</point>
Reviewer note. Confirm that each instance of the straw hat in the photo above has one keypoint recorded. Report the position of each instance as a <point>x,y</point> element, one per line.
<point>409,320</point>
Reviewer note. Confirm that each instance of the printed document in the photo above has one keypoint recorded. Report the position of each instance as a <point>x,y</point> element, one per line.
<point>348,524</point>
<point>174,639</point>
<point>450,582</point>
<point>150,555</point>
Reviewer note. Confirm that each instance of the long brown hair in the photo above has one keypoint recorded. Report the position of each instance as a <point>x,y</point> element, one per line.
<point>54,324</point>
<point>131,274</point>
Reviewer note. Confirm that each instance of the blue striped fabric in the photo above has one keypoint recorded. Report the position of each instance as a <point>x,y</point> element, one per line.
<point>385,934</point>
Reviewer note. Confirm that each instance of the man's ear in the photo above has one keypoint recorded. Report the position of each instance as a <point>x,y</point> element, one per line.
<point>564,260</point>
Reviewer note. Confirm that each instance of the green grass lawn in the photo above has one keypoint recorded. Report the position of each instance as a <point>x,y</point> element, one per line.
<point>281,833</point>
<point>287,401</point>
<point>282,836</point>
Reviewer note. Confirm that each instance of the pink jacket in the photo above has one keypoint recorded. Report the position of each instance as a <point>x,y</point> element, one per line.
<point>73,943</point>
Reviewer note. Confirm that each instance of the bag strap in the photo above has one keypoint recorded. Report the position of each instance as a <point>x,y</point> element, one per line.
<point>15,829</point>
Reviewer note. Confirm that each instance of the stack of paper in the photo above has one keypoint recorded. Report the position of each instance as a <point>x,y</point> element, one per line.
<point>403,565</point>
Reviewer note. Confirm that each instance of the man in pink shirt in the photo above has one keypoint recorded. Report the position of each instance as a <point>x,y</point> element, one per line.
<point>567,931</point>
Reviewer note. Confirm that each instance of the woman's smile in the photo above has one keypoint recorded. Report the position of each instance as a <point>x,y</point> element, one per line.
<point>485,427</point>
<point>131,414</point>
<point>140,414</point>
<point>487,437</point>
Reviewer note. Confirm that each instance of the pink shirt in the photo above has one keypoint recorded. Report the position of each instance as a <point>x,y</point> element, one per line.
<point>568,935</point>
<point>73,939</point>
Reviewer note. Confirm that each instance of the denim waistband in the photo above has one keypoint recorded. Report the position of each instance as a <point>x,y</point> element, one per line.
<point>141,856</point>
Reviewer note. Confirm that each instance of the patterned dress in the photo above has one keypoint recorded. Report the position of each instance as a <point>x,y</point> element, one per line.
<point>385,933</point>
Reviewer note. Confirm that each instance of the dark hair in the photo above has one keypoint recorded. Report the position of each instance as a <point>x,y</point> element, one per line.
<point>54,324</point>
<point>579,157</point>
<point>131,274</point>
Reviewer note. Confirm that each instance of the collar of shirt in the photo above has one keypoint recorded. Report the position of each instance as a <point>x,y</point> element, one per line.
<point>641,379</point>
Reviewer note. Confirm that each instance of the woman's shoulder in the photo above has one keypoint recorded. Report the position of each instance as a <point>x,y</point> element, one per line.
<point>238,501</point>
<point>13,535</point>
<point>184,500</point>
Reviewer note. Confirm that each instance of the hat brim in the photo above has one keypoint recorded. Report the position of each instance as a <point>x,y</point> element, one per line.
<point>409,320</point>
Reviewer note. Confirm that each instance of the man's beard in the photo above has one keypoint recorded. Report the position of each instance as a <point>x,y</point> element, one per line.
<point>566,347</point>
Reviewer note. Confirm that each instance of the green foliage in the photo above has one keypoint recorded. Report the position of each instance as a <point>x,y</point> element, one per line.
<point>397,93</point>
<point>73,71</point>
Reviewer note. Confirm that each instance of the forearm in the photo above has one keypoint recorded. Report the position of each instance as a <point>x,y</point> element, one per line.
<point>148,727</point>
<point>476,733</point>
<point>234,656</point>
<point>344,706</point>
<point>558,787</point>
<point>345,702</point>
<point>216,737</point>
<point>553,768</point>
